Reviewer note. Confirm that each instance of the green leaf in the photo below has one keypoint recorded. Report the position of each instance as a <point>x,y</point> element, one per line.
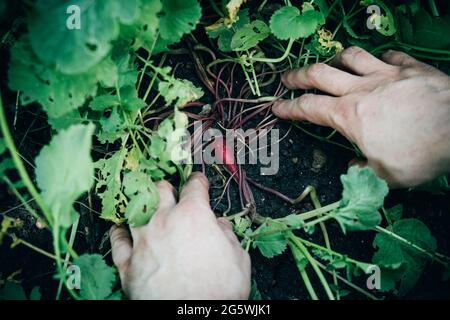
<point>103,102</point>
<point>401,264</point>
<point>97,278</point>
<point>249,35</point>
<point>363,195</point>
<point>384,23</point>
<point>129,99</point>
<point>12,291</point>
<point>178,18</point>
<point>179,91</point>
<point>66,120</point>
<point>270,242</point>
<point>74,51</point>
<point>431,32</point>
<point>225,33</point>
<point>255,295</point>
<point>395,213</point>
<point>438,186</point>
<point>112,127</point>
<point>143,33</point>
<point>288,23</point>
<point>144,198</point>
<point>109,185</point>
<point>65,170</point>
<point>56,92</point>
<point>300,260</point>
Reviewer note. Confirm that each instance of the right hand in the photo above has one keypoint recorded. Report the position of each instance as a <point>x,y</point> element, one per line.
<point>397,111</point>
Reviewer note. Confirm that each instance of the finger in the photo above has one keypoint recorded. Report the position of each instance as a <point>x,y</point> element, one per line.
<point>227,229</point>
<point>359,61</point>
<point>167,201</point>
<point>318,109</point>
<point>323,77</point>
<point>196,189</point>
<point>121,247</point>
<point>400,59</point>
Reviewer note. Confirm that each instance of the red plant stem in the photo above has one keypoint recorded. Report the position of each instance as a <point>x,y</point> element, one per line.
<point>270,190</point>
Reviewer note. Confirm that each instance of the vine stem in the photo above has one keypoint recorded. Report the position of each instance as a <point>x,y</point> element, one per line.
<point>317,205</point>
<point>276,60</point>
<point>33,247</point>
<point>314,265</point>
<point>19,164</point>
<point>433,8</point>
<point>303,273</point>
<point>22,200</point>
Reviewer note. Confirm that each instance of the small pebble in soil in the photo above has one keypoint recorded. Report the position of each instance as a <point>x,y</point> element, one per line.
<point>319,160</point>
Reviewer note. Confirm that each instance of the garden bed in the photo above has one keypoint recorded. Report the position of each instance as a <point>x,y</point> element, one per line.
<point>309,156</point>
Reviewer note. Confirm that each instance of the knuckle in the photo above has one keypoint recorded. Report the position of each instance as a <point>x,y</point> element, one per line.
<point>314,71</point>
<point>163,185</point>
<point>351,53</point>
<point>305,100</point>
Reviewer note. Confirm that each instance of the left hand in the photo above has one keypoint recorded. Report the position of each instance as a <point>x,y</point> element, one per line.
<point>184,252</point>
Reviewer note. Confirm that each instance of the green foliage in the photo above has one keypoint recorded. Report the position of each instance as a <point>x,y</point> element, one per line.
<point>97,278</point>
<point>65,170</point>
<point>249,35</point>
<point>14,291</point>
<point>269,240</point>
<point>402,265</point>
<point>438,186</point>
<point>384,23</point>
<point>363,195</point>
<point>76,51</point>
<point>109,185</point>
<point>418,27</point>
<point>57,93</point>
<point>179,91</point>
<point>395,213</point>
<point>288,23</point>
<point>224,34</point>
<point>254,292</point>
<point>144,198</point>
<point>179,17</point>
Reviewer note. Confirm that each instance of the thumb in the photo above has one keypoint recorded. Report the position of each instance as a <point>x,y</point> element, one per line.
<point>121,248</point>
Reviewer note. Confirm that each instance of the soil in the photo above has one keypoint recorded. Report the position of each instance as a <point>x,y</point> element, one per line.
<point>304,161</point>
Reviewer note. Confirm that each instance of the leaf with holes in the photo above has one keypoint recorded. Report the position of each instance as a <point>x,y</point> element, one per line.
<point>144,198</point>
<point>70,48</point>
<point>249,35</point>
<point>56,92</point>
<point>224,34</point>
<point>109,185</point>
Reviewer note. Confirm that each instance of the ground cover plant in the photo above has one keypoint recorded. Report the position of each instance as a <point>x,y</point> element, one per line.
<point>97,97</point>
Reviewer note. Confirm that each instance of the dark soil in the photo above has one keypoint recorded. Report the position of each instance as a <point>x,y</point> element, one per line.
<point>304,161</point>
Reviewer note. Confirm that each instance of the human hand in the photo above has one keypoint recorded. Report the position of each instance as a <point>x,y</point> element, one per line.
<point>184,252</point>
<point>397,111</point>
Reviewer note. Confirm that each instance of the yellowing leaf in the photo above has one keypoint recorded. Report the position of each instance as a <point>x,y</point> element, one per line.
<point>233,7</point>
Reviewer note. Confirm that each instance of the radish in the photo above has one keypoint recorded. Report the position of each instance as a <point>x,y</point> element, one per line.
<point>225,156</point>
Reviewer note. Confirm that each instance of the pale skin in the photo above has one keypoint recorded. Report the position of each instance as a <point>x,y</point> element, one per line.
<point>397,110</point>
